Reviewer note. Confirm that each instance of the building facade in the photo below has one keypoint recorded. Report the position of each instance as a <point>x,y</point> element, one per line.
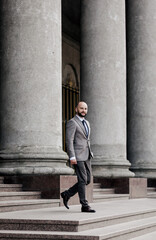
<point>54,53</point>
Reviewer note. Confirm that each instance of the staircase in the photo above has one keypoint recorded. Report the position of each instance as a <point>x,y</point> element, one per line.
<point>106,194</point>
<point>116,218</point>
<point>113,220</point>
<point>151,192</point>
<point>12,198</point>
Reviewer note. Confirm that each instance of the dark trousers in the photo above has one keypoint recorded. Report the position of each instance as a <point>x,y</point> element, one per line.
<point>83,172</point>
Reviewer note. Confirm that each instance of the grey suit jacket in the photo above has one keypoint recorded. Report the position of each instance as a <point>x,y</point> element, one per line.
<point>78,144</point>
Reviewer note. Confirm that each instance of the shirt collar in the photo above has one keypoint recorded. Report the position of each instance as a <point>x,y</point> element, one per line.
<point>80,118</point>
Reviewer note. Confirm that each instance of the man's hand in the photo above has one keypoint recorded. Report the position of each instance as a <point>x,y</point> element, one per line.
<point>73,161</point>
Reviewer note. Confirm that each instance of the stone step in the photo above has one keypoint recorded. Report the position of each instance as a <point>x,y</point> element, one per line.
<point>19,195</point>
<point>116,220</point>
<point>148,236</point>
<point>104,191</point>
<point>18,205</point>
<point>151,189</point>
<point>96,185</point>
<point>109,197</point>
<point>1,179</point>
<point>72,220</point>
<point>120,231</point>
<point>151,195</point>
<point>10,187</point>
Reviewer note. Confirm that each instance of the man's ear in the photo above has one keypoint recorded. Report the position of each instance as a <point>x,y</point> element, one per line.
<point>76,109</point>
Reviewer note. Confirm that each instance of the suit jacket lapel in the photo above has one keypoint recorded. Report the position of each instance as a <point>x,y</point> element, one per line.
<point>80,124</point>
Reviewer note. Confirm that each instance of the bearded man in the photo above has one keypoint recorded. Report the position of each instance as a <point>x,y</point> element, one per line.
<point>79,152</point>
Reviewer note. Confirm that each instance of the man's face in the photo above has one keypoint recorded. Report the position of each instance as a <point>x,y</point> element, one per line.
<point>82,109</point>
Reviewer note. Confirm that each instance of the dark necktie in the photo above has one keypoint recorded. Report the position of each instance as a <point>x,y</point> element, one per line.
<point>85,127</point>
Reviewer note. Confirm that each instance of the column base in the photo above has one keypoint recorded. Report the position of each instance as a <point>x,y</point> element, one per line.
<point>112,168</point>
<point>38,160</point>
<point>54,170</point>
<point>144,172</point>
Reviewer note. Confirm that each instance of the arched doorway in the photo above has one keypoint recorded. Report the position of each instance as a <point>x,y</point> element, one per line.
<point>70,96</point>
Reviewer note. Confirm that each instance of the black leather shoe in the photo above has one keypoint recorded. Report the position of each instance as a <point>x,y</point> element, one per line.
<point>87,209</point>
<point>65,199</point>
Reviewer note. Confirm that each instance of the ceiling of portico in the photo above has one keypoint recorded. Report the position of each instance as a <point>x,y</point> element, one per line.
<point>71,18</point>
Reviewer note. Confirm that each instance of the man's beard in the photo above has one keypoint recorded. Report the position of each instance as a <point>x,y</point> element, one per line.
<point>81,114</point>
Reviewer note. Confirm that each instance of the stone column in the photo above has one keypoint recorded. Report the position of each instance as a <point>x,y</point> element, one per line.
<point>103,84</point>
<point>30,89</point>
<point>141,71</point>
